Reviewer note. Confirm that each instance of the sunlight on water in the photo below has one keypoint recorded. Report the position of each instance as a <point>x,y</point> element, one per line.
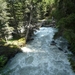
<point>28,50</point>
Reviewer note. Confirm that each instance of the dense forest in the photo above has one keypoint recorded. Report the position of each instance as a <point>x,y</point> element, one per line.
<point>19,18</point>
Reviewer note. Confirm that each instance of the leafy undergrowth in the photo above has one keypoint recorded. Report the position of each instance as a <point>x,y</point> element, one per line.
<point>66,28</point>
<point>9,49</point>
<point>3,60</point>
<point>72,63</point>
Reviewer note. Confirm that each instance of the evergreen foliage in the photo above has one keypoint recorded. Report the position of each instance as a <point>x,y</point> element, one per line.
<point>15,18</point>
<point>64,13</point>
<point>65,16</point>
<point>3,19</point>
<point>16,15</point>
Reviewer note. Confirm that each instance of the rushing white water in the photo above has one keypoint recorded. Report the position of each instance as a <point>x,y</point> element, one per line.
<point>41,58</point>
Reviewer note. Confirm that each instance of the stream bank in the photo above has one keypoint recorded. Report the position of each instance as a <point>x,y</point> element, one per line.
<point>9,49</point>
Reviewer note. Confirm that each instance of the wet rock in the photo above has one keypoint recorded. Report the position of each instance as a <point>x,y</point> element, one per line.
<point>60,49</point>
<point>30,39</point>
<point>69,46</point>
<point>65,52</point>
<point>53,43</point>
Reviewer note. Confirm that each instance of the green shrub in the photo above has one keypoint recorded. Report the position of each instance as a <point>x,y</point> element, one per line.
<point>70,22</point>
<point>72,62</point>
<point>70,36</point>
<point>67,22</point>
<point>2,41</point>
<point>66,27</point>
<point>3,60</point>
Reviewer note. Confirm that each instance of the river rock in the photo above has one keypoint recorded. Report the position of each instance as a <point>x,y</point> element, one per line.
<point>53,43</point>
<point>60,49</point>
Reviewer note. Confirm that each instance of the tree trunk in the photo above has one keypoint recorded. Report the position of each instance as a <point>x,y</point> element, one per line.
<point>26,37</point>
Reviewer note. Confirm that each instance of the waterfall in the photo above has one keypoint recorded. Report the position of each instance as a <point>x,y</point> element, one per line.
<point>39,57</point>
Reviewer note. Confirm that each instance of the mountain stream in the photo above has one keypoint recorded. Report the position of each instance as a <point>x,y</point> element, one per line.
<point>40,57</point>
